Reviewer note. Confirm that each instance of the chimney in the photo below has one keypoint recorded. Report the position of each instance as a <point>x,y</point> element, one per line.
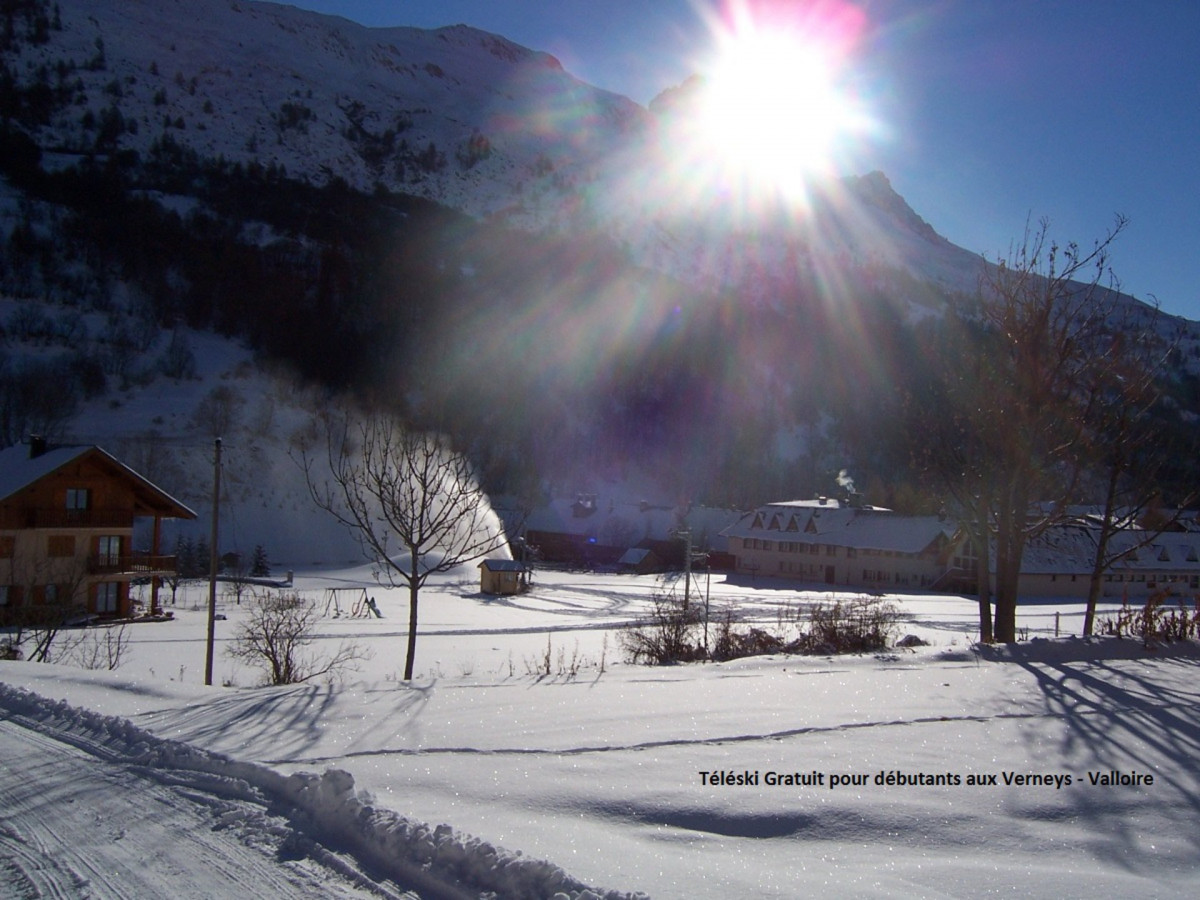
<point>37,446</point>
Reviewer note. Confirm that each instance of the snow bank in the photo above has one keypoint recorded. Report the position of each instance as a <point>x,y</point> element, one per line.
<point>327,808</point>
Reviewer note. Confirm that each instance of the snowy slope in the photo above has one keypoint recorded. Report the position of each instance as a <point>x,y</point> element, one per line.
<point>466,118</point>
<point>319,95</point>
<point>476,122</point>
<point>606,773</point>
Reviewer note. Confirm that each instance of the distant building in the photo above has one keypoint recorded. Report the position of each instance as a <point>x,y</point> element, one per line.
<point>640,561</point>
<point>66,530</point>
<point>595,529</point>
<point>503,576</point>
<point>828,542</point>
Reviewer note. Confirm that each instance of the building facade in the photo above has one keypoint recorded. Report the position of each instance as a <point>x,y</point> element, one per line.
<point>827,542</point>
<point>67,519</point>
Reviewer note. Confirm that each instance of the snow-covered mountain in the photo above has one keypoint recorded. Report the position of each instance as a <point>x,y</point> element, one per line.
<point>596,267</point>
<point>456,115</point>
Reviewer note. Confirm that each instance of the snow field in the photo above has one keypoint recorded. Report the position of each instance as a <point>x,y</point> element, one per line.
<point>609,775</point>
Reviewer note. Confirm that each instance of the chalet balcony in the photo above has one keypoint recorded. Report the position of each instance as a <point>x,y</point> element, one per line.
<point>137,565</point>
<point>115,519</point>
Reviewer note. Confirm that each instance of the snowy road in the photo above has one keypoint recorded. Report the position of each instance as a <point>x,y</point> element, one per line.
<point>79,820</point>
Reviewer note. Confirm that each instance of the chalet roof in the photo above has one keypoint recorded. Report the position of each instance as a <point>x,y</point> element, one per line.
<point>843,526</point>
<point>502,565</point>
<point>19,471</point>
<point>634,556</point>
<point>1071,550</point>
<point>621,521</point>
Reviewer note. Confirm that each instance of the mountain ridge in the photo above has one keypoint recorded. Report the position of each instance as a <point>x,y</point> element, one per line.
<point>451,224</point>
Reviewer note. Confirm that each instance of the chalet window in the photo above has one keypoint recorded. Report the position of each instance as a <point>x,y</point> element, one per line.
<point>108,550</point>
<point>60,546</point>
<point>8,546</point>
<point>50,592</point>
<point>3,595</point>
<point>831,550</point>
<point>78,498</point>
<point>768,545</point>
<point>851,552</point>
<point>106,597</point>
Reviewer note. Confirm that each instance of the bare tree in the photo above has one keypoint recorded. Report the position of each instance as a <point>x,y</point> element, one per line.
<point>219,412</point>
<point>1039,361</point>
<point>274,637</point>
<point>103,647</point>
<point>1129,452</point>
<point>1047,308</point>
<point>52,595</point>
<point>408,497</point>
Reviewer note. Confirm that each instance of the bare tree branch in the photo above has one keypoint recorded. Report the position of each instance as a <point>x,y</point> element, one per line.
<point>408,497</point>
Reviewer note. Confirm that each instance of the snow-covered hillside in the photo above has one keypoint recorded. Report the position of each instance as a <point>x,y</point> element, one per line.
<point>456,114</point>
<point>463,117</point>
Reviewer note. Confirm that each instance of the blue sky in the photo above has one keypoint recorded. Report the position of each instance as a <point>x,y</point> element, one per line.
<point>992,112</point>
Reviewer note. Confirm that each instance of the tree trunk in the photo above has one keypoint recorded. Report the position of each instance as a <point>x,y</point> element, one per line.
<point>984,588</point>
<point>413,589</point>
<point>1008,573</point>
<point>1101,562</point>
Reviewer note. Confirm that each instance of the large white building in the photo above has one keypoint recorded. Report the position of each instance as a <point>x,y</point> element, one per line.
<point>828,542</point>
<point>833,543</point>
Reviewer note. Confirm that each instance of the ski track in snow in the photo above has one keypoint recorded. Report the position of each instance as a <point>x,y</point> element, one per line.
<point>109,811</point>
<point>655,745</point>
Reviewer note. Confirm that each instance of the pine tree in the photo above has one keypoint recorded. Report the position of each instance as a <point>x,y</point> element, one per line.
<point>260,567</point>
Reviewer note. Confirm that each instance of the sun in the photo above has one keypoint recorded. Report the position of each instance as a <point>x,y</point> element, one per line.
<point>777,109</point>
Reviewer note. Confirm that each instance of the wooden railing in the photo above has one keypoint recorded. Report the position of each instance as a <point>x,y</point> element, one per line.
<point>132,564</point>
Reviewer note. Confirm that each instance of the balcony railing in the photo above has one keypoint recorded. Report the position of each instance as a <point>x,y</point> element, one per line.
<point>136,564</point>
<point>66,518</point>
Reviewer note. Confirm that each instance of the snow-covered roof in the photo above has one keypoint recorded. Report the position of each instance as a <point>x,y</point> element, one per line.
<point>633,556</point>
<point>1071,550</point>
<point>616,521</point>
<point>842,526</point>
<point>502,565</point>
<point>19,470</point>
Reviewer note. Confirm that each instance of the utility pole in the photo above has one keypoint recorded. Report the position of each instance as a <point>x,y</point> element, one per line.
<point>212,566</point>
<point>686,534</point>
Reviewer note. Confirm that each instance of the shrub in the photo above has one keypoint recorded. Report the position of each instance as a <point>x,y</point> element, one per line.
<point>671,633</point>
<point>858,625</point>
<point>1155,623</point>
<point>275,635</point>
<point>667,635</point>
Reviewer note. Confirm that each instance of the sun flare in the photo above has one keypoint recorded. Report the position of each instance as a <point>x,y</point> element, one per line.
<point>776,107</point>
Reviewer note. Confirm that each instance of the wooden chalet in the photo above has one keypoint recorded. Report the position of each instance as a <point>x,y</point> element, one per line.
<point>67,519</point>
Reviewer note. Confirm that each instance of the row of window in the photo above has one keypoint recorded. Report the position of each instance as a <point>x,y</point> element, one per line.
<point>803,570</point>
<point>792,547</point>
<point>62,546</point>
<point>817,549</point>
<point>108,594</point>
